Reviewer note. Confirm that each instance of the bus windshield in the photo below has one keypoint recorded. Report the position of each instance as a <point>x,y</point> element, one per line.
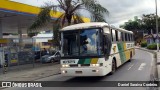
<point>84,42</point>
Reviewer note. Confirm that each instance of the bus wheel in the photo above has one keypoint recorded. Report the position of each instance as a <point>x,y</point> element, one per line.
<point>113,67</point>
<point>130,56</point>
<point>52,60</point>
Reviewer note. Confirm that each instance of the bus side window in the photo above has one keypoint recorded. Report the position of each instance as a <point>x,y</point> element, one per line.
<point>113,35</point>
<point>122,36</point>
<point>116,35</point>
<point>126,37</point>
<point>119,36</point>
<point>107,44</point>
<point>129,39</point>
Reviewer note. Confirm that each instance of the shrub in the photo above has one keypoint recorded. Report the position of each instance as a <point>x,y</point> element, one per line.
<point>144,44</point>
<point>152,46</point>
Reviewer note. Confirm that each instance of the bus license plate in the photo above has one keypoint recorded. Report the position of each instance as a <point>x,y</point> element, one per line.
<point>78,72</point>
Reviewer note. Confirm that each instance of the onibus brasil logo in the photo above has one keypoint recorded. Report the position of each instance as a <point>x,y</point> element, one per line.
<point>20,84</point>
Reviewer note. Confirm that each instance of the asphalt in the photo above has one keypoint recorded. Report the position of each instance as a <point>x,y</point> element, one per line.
<point>139,69</point>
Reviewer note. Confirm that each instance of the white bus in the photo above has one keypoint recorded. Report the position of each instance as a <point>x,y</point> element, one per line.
<point>94,49</point>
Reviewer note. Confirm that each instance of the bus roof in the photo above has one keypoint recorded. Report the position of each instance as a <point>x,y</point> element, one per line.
<point>122,30</point>
<point>92,25</point>
<point>85,25</point>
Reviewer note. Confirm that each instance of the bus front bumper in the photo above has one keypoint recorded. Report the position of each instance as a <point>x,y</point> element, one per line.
<point>88,71</point>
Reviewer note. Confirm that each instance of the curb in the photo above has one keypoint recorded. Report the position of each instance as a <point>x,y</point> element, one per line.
<point>158,58</point>
<point>158,65</point>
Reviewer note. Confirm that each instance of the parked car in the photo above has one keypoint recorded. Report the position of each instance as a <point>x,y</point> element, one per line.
<point>51,57</point>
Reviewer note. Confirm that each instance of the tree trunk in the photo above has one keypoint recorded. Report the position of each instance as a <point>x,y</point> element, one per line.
<point>56,35</point>
<point>69,19</point>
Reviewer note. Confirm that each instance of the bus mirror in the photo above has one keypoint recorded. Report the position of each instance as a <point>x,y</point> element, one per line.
<point>97,33</point>
<point>105,50</point>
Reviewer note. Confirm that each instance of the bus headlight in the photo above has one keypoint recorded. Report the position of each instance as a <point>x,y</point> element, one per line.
<point>95,65</point>
<point>66,65</point>
<point>64,72</point>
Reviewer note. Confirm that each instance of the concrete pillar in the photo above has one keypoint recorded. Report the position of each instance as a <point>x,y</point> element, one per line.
<point>20,40</point>
<point>20,36</point>
<point>1,32</point>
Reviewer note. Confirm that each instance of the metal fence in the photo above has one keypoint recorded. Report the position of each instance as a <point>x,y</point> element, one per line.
<point>25,54</point>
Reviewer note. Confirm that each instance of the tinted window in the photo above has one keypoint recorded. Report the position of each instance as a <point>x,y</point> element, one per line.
<point>107,45</point>
<point>116,35</point>
<point>82,42</point>
<point>57,53</point>
<point>122,36</point>
<point>71,42</point>
<point>111,35</point>
<point>126,37</point>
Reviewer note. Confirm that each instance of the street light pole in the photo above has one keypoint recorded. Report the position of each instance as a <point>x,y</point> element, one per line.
<point>157,27</point>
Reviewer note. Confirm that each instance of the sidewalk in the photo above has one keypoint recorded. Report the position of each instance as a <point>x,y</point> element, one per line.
<point>26,66</point>
<point>158,65</point>
<point>31,74</point>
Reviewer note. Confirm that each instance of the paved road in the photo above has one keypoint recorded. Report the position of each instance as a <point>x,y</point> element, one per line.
<point>137,70</point>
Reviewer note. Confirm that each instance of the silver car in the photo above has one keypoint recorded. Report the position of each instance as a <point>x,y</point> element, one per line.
<point>51,57</point>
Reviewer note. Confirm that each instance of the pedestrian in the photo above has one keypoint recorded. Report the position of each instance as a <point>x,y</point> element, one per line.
<point>44,52</point>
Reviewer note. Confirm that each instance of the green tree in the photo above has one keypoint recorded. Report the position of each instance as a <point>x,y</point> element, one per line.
<point>149,23</point>
<point>146,24</point>
<point>71,13</point>
<point>132,25</point>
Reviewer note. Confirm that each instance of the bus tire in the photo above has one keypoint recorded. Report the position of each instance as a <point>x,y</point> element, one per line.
<point>52,60</point>
<point>130,57</point>
<point>113,66</point>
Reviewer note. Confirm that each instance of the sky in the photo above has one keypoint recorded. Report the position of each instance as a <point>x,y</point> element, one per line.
<point>120,11</point>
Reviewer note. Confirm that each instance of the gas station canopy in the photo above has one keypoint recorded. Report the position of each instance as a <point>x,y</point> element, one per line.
<point>16,16</point>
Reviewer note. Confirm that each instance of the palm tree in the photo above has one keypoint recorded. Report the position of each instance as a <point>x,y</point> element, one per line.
<point>72,10</point>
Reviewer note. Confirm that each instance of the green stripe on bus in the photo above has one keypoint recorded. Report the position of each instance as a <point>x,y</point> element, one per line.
<point>87,61</point>
<point>121,53</point>
<point>81,61</point>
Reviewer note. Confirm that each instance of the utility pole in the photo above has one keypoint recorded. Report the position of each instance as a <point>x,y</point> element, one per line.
<point>157,27</point>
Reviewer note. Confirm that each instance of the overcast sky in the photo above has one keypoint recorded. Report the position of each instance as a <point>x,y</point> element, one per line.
<point>120,10</point>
